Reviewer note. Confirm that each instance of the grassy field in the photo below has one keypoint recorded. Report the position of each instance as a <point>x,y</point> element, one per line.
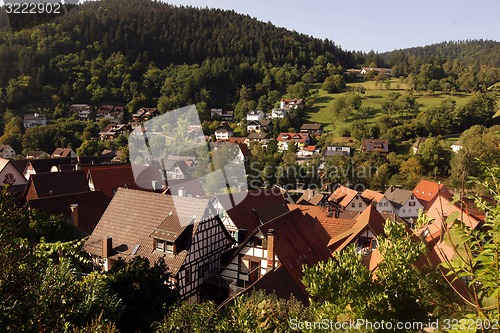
<point>322,109</point>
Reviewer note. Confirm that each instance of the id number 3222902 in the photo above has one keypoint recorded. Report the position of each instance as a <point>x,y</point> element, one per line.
<point>32,7</point>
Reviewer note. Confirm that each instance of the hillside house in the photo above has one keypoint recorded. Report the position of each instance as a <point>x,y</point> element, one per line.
<point>262,138</point>
<point>300,139</point>
<point>379,201</point>
<point>346,198</point>
<point>63,152</point>
<point>255,115</point>
<point>83,111</point>
<point>405,203</point>
<point>6,151</point>
<point>144,114</point>
<point>34,119</point>
<point>278,113</point>
<point>417,144</point>
<point>312,129</point>
<point>9,174</point>
<point>224,131</point>
<point>337,150</point>
<point>375,146</point>
<point>221,114</point>
<point>295,103</point>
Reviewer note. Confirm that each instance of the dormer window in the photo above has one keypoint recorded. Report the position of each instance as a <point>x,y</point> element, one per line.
<point>164,246</point>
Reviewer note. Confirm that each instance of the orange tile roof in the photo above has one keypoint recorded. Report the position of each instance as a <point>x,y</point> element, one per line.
<point>372,195</point>
<point>426,191</point>
<point>343,196</point>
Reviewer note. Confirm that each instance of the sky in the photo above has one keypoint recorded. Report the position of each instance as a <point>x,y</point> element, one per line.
<point>379,25</point>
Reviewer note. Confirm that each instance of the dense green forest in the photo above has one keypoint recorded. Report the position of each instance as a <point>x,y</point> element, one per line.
<point>145,53</point>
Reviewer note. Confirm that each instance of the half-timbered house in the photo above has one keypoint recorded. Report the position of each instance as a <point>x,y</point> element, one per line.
<point>185,232</point>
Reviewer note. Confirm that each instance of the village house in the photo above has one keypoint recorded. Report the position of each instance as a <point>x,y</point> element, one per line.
<point>6,151</point>
<point>36,154</point>
<point>427,191</point>
<point>63,152</point>
<point>9,174</point>
<point>375,146</point>
<point>405,203</point>
<point>255,115</point>
<point>312,129</point>
<point>175,169</point>
<point>262,138</point>
<point>386,71</point>
<point>36,166</point>
<point>379,201</point>
<point>295,103</point>
<point>311,197</point>
<point>308,151</point>
<point>185,232</point>
<point>346,198</point>
<point>111,132</point>
<point>254,208</point>
<point>272,258</point>
<point>223,115</point>
<point>456,146</point>
<point>112,112</point>
<point>83,111</point>
<point>417,144</point>
<point>34,119</point>
<point>223,132</point>
<point>337,150</point>
<point>363,234</point>
<point>300,139</point>
<point>49,184</point>
<point>144,114</point>
<point>278,113</point>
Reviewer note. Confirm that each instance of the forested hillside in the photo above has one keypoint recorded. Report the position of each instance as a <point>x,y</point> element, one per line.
<point>118,51</point>
<point>462,65</point>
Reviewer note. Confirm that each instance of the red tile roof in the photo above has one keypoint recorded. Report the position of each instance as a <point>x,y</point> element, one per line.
<point>326,226</point>
<point>369,218</point>
<point>295,243</point>
<point>295,137</point>
<point>427,191</point>
<point>343,196</point>
<point>442,207</point>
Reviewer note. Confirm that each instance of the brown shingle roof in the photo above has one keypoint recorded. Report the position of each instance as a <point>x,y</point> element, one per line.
<point>258,206</point>
<point>42,185</point>
<point>310,197</point>
<point>397,196</point>
<point>134,218</point>
<point>45,165</point>
<point>91,206</point>
<point>62,152</point>
<point>108,179</point>
<point>311,127</point>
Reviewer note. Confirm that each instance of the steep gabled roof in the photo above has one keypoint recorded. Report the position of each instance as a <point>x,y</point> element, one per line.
<point>443,207</point>
<point>426,191</point>
<point>258,207</point>
<point>135,218</point>
<point>20,165</point>
<point>310,197</point>
<point>62,152</point>
<point>326,225</point>
<point>295,243</point>
<point>343,196</point>
<point>398,196</point>
<point>372,195</point>
<point>57,183</point>
<point>91,206</point>
<point>45,165</point>
<point>369,218</point>
<point>109,178</point>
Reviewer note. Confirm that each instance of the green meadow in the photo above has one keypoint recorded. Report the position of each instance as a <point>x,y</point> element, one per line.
<point>374,96</point>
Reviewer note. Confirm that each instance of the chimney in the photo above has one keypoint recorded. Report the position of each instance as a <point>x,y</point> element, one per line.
<point>74,214</point>
<point>107,246</point>
<point>153,184</point>
<point>182,192</point>
<point>337,213</point>
<point>270,249</point>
